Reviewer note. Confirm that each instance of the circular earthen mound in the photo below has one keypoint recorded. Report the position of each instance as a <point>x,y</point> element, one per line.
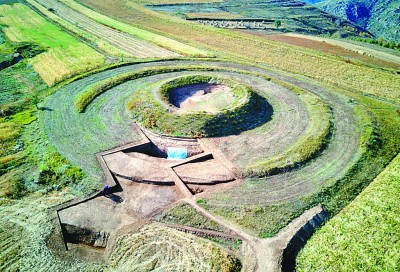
<point>199,105</point>
<point>203,94</point>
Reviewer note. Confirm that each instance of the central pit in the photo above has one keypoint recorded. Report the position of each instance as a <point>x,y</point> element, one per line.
<point>201,97</point>
<point>199,105</point>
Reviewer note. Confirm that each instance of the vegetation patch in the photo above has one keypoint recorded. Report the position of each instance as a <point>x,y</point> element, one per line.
<point>307,146</point>
<point>155,247</point>
<point>65,55</point>
<point>363,236</point>
<point>186,215</point>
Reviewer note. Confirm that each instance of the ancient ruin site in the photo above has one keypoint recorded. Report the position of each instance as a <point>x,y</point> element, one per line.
<point>196,135</point>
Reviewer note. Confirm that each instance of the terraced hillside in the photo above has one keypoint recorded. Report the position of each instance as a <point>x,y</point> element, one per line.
<point>260,16</point>
<point>379,17</point>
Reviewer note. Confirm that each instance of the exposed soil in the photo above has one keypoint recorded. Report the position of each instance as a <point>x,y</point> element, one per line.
<point>190,97</point>
<point>134,205</point>
<point>207,172</point>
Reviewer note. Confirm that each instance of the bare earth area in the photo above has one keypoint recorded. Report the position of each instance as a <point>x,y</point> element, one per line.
<point>201,97</point>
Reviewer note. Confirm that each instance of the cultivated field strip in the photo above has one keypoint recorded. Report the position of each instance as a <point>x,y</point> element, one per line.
<point>127,43</point>
<point>106,123</point>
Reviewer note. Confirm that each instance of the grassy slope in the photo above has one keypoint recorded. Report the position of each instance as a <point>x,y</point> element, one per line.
<point>65,56</point>
<point>256,49</point>
<point>364,236</point>
<point>24,227</point>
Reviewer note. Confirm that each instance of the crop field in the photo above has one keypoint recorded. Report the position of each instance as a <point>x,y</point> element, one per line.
<point>125,42</point>
<point>363,235</point>
<point>281,133</point>
<point>143,42</point>
<point>65,56</point>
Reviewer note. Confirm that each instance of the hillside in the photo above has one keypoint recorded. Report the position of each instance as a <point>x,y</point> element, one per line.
<point>380,17</point>
<point>256,15</point>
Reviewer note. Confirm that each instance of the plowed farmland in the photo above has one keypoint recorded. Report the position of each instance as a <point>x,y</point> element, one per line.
<point>131,45</point>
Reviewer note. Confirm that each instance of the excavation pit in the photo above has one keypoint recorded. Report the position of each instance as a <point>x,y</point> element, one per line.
<point>142,183</point>
<point>201,97</point>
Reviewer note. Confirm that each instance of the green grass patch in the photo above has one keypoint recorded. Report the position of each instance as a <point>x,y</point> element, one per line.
<point>98,43</point>
<point>65,55</point>
<point>364,235</point>
<point>19,85</point>
<point>186,215</point>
